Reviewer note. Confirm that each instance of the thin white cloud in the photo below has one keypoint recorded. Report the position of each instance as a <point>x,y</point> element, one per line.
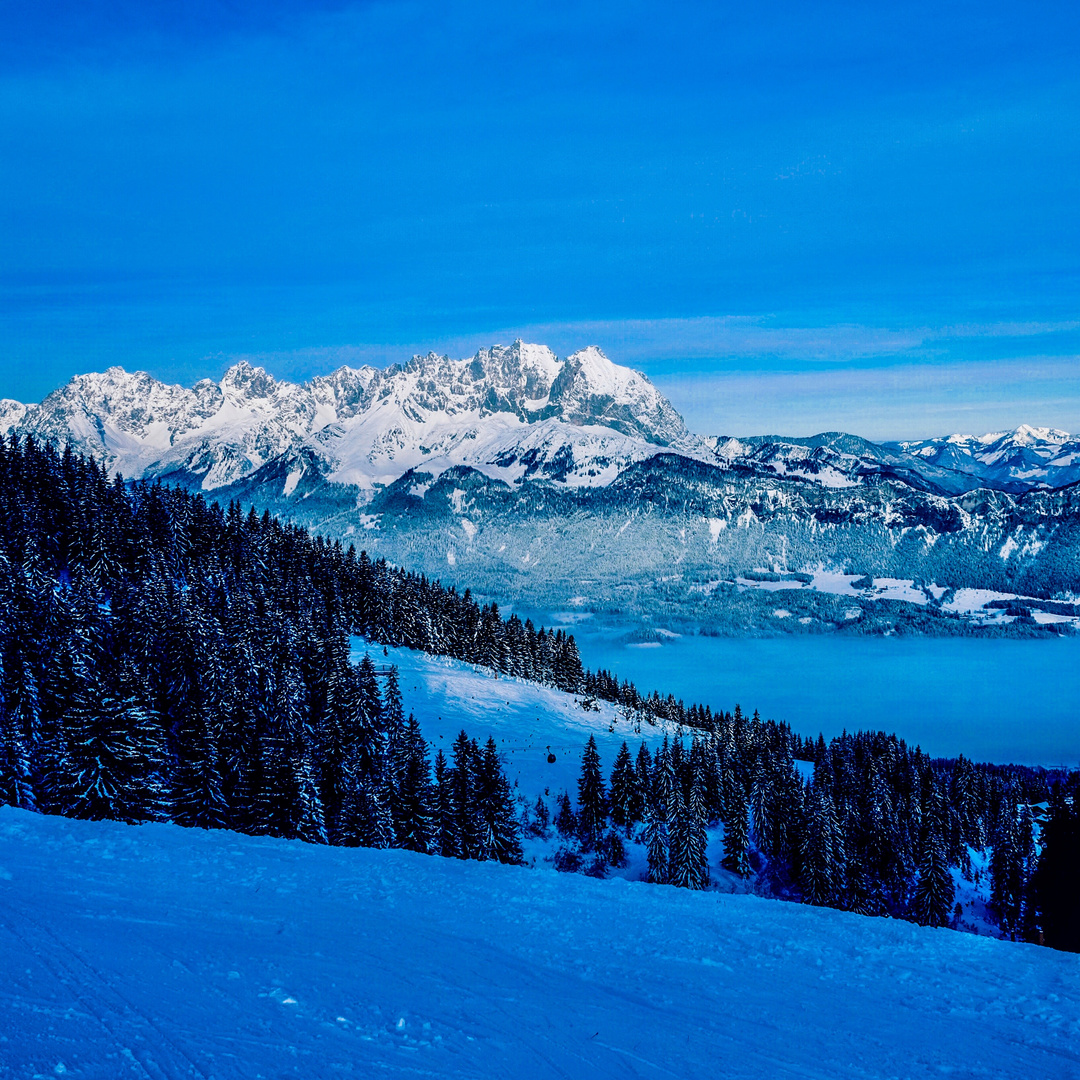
<point>713,339</point>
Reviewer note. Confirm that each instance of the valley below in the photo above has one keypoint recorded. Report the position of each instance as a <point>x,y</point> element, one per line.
<point>998,700</point>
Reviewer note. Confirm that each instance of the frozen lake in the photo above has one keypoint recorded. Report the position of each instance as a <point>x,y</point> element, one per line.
<point>1000,701</point>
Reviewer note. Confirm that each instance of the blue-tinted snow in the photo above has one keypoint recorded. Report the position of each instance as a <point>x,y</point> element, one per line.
<point>154,951</point>
<point>528,722</point>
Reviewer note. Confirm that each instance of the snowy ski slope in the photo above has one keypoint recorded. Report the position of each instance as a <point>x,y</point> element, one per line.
<point>154,951</point>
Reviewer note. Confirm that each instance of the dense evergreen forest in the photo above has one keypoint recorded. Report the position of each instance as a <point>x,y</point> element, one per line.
<point>876,828</point>
<point>166,658</point>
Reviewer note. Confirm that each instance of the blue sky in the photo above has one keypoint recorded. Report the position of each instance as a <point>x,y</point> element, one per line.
<point>792,216</point>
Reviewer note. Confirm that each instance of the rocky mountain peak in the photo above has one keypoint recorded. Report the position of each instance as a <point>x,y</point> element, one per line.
<point>521,369</point>
<point>590,389</point>
<point>1027,435</point>
<point>249,381</point>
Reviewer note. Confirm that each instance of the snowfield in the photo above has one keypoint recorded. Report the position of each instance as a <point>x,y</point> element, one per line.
<point>154,951</point>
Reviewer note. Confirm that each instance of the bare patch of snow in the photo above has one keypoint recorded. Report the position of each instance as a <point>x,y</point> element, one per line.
<point>1047,617</point>
<point>291,481</point>
<point>970,601</point>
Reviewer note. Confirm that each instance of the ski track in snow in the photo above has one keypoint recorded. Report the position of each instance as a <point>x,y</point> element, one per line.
<point>155,951</point>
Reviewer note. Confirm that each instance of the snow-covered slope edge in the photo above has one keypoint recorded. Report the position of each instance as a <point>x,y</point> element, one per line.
<point>159,951</point>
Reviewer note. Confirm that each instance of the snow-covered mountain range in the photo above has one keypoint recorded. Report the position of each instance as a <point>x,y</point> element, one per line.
<point>1022,458</point>
<point>513,412</point>
<point>835,459</point>
<point>550,480</point>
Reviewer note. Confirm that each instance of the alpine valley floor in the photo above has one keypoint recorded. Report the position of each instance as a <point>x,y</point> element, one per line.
<point>154,951</point>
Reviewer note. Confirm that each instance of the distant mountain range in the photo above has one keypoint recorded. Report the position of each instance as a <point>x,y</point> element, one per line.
<point>515,412</point>
<point>1008,460</point>
<point>550,480</point>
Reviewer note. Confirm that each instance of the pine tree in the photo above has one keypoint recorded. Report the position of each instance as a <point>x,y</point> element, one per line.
<point>114,754</point>
<point>566,823</point>
<point>466,817</point>
<point>20,733</point>
<point>274,794</point>
<point>542,816</point>
<point>1054,893</point>
<point>679,871</point>
<point>935,892</point>
<point>643,767</point>
<point>1007,872</point>
<point>500,838</point>
<point>663,780</point>
<point>614,850</point>
<point>697,858</point>
<point>818,864</point>
<point>416,799</point>
<point>861,898</point>
<point>656,842</point>
<point>763,799</point>
<point>378,817</point>
<point>448,830</point>
<point>197,797</point>
<point>592,798</point>
<point>310,818</point>
<point>736,833</point>
<point>623,795</point>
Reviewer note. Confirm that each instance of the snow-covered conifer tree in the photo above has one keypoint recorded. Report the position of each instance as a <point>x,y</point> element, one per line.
<point>592,798</point>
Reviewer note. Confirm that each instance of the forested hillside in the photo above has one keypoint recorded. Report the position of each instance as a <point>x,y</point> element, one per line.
<point>165,658</point>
